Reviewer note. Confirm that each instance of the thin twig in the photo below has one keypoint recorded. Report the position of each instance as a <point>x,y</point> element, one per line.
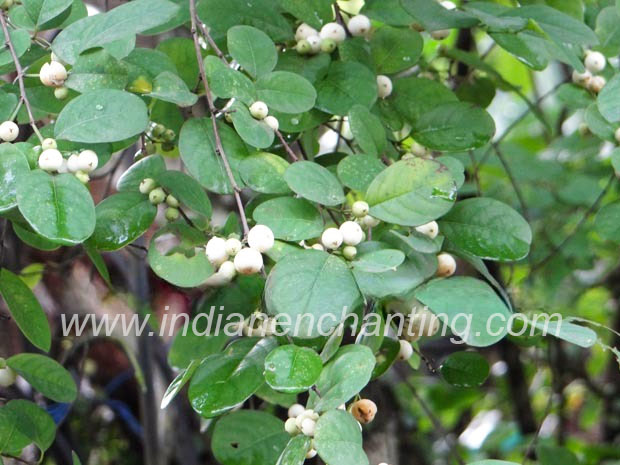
<point>286,146</point>
<point>205,33</point>
<point>514,183</point>
<point>216,133</point>
<point>20,72</point>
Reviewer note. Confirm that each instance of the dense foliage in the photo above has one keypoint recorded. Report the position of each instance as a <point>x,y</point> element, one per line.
<point>278,160</point>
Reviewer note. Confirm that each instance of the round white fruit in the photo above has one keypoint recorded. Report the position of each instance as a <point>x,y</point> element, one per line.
<point>146,186</point>
<point>333,31</point>
<point>227,270</point>
<point>7,376</point>
<point>88,161</point>
<point>57,73</point>
<point>261,238</point>
<point>216,251</point>
<point>446,265</point>
<point>50,160</point>
<point>595,62</point>
<point>331,238</point>
<point>352,233</point>
<point>248,261</point>
<point>304,31</point>
<point>308,427</point>
<point>581,78</point>
<point>64,167</point>
<point>429,229</point>
<point>9,131</point>
<point>48,143</point>
<point>448,5</point>
<point>290,427</point>
<point>272,122</point>
<point>311,454</point>
<point>349,252</point>
<point>233,246</point>
<point>440,34</point>
<point>317,247</point>
<point>384,86</point>
<point>44,75</point>
<point>370,221</point>
<point>617,135</point>
<point>73,165</point>
<point>259,110</point>
<point>359,25</point>
<point>596,84</point>
<point>315,43</point>
<point>422,323</point>
<point>360,209</point>
<point>406,351</point>
<point>295,410</point>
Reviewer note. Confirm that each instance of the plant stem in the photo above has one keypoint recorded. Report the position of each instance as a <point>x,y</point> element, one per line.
<point>286,146</point>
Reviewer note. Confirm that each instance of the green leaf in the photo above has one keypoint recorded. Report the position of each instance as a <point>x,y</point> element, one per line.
<point>264,172</point>
<point>225,82</point>
<point>378,261</point>
<point>251,130</point>
<point>181,52</point>
<point>607,222</point>
<point>315,13</point>
<point>176,254</point>
<point>148,167</point>
<point>567,331</point>
<point>607,32</point>
<point>286,92</point>
<point>487,228</point>
<point>194,345</point>
<point>311,282</point>
<point>33,239</point>
<point>21,42</point>
<point>98,262</point>
<point>117,24</point>
<point>453,127</point>
<point>292,369</point>
<point>295,451</point>
<point>46,14</point>
<point>8,104</point>
<point>197,147</point>
<point>434,16</point>
<point>387,11</point>
<point>608,100</point>
<point>338,439</point>
<point>23,422</point>
<point>186,190</point>
<point>314,182</point>
<point>426,94</point>
<point>104,115</point>
<point>45,375</point>
<point>226,379</point>
<point>25,310</point>
<point>121,219</point>
<point>367,130</point>
<point>171,88</point>
<point>357,171</point>
<point>344,377</point>
<point>415,241</point>
<point>598,125</point>
<point>549,454</point>
<point>491,15</point>
<point>465,369</point>
<point>13,164</point>
<point>59,207</point>
<point>248,437</point>
<point>97,70</point>
<point>411,192</point>
<point>290,219</point>
<point>493,462</point>
<point>346,84</point>
<point>526,46</point>
<point>253,50</point>
<point>178,383</point>
<point>483,314</point>
<point>394,49</point>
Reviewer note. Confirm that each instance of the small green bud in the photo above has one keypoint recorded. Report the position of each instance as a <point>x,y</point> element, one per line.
<point>158,130</point>
<point>157,196</point>
<point>303,47</point>
<point>167,146</point>
<point>172,214</point>
<point>147,185</point>
<point>349,252</point>
<point>149,148</point>
<point>169,135</point>
<point>61,93</point>
<point>6,4</point>
<point>49,143</point>
<point>328,45</point>
<point>172,201</point>
<point>82,177</point>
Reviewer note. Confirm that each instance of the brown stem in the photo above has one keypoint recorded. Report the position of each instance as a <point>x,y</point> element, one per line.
<point>20,75</point>
<point>216,133</point>
<point>205,33</point>
<point>286,146</point>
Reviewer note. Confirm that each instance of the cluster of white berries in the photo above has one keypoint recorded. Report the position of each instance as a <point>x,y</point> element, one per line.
<point>442,34</point>
<point>594,62</point>
<point>311,41</point>
<point>9,131</point>
<point>7,374</point>
<point>360,212</point>
<point>247,260</point>
<point>302,420</point>
<point>446,265</point>
<point>80,164</point>
<point>349,233</point>
<point>260,111</point>
<point>158,196</point>
<point>265,327</point>
<point>54,74</point>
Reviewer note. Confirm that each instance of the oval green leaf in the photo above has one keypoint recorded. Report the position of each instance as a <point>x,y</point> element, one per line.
<point>45,375</point>
<point>314,182</point>
<point>292,369</point>
<point>290,219</point>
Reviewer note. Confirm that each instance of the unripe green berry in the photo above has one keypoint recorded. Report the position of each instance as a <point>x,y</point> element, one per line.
<point>349,252</point>
<point>303,47</point>
<point>172,214</point>
<point>328,45</point>
<point>158,130</point>
<point>167,146</point>
<point>172,201</point>
<point>147,185</point>
<point>61,93</point>
<point>49,143</point>
<point>6,4</point>
<point>157,196</point>
<point>169,135</point>
<point>149,148</point>
<point>82,177</point>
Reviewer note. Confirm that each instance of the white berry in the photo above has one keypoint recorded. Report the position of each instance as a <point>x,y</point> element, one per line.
<point>217,279</point>
<point>216,251</point>
<point>429,229</point>
<point>384,86</point>
<point>248,261</point>
<point>315,43</point>
<point>44,75</point>
<point>259,110</point>
<point>261,238</point>
<point>7,376</point>
<point>73,165</point>
<point>352,233</point>
<point>290,427</point>
<point>64,167</point>
<point>596,84</point>
<point>370,221</point>
<point>272,122</point>
<point>311,454</point>
<point>317,247</point>
<point>349,252</point>
<point>233,246</point>
<point>146,185</point>
<point>595,62</point>
<point>308,427</point>
<point>422,323</point>
<point>440,34</point>
<point>448,5</point>
<point>9,131</point>
<point>331,238</point>
<point>57,73</point>
<point>581,78</point>
<point>295,410</point>
<point>360,209</point>
<point>617,135</point>
<point>50,160</point>
<point>446,265</point>
<point>48,143</point>
<point>304,31</point>
<point>227,270</point>
<point>406,351</point>
<point>333,31</point>
<point>88,161</point>
<point>359,25</point>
